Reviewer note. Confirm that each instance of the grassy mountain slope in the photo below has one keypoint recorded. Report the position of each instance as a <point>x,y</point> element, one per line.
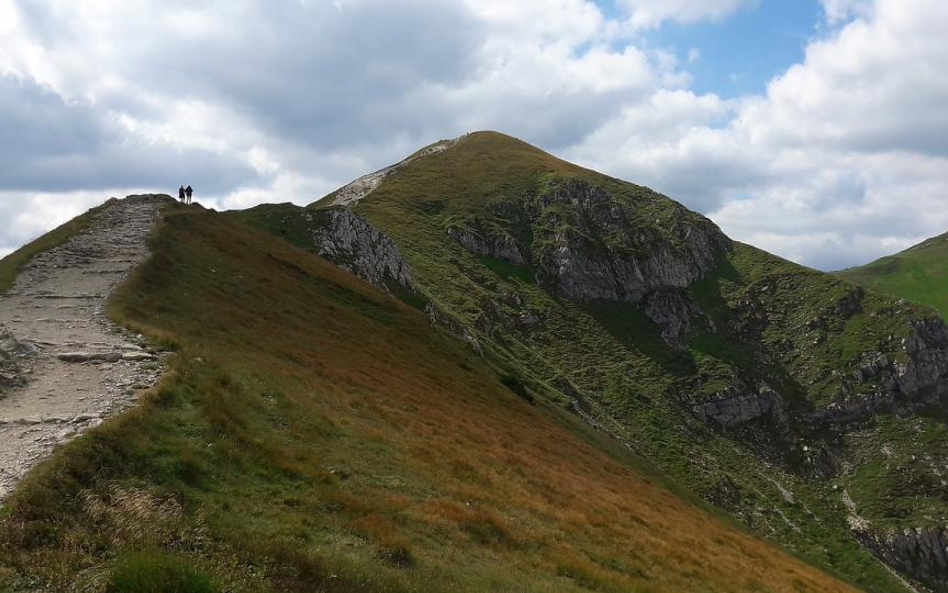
<point>790,349</point>
<point>919,274</point>
<point>315,434</point>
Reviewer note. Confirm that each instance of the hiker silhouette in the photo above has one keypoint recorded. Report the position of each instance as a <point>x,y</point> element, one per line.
<point>181,193</point>
<point>187,192</point>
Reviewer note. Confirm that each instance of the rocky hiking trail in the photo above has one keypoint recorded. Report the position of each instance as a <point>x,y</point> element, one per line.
<point>64,367</point>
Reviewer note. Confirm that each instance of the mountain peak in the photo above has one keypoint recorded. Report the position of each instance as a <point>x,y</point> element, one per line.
<point>645,320</point>
<point>475,147</point>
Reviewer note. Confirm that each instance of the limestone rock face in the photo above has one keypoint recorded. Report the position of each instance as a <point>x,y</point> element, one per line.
<point>599,251</point>
<point>927,349</point>
<point>673,311</point>
<point>920,380</point>
<point>920,553</point>
<point>502,246</point>
<point>349,241</point>
<point>734,407</point>
<point>589,245</point>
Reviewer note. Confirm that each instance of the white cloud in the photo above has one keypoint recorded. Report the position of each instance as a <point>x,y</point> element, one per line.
<point>842,159</point>
<point>652,13</point>
<point>838,11</point>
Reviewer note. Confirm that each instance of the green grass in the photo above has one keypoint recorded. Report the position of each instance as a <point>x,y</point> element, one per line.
<point>768,321</point>
<point>286,221</point>
<point>918,274</point>
<point>11,265</point>
<point>315,434</point>
<point>507,270</point>
<point>904,485</point>
<point>158,572</point>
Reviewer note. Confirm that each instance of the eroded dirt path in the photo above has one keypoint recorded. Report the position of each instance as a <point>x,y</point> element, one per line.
<point>65,366</point>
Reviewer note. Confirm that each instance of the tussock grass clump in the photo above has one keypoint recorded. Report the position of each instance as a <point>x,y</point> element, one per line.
<point>159,572</point>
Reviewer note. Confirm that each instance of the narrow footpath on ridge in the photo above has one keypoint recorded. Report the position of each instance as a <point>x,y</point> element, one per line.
<point>64,367</point>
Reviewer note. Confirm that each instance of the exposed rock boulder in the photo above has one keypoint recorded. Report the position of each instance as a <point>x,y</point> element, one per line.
<point>896,386</point>
<point>872,364</point>
<point>89,356</point>
<point>927,350</point>
<point>352,243</point>
<point>920,553</point>
<point>673,311</point>
<point>11,351</point>
<point>734,406</point>
<point>501,246</point>
<point>595,248</point>
<point>849,304</point>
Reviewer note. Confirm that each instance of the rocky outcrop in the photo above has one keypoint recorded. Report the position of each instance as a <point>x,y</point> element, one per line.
<point>11,351</point>
<point>927,350</point>
<point>502,246</point>
<point>872,365</point>
<point>898,386</point>
<point>920,553</point>
<point>849,304</point>
<point>853,409</point>
<point>595,249</point>
<point>352,243</point>
<point>591,246</point>
<point>447,321</point>
<point>673,311</point>
<point>733,407</point>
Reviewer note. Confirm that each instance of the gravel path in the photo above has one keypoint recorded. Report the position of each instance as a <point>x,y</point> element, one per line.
<point>354,191</point>
<point>63,366</point>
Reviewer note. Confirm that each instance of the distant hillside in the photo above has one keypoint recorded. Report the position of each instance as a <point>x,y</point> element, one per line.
<point>315,434</point>
<point>802,404</point>
<point>919,274</point>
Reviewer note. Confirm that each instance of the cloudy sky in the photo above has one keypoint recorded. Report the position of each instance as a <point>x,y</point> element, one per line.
<point>816,129</point>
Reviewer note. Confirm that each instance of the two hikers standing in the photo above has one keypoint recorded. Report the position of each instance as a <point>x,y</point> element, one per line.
<point>184,194</point>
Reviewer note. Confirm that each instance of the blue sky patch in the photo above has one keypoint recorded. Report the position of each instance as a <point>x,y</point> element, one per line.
<point>740,53</point>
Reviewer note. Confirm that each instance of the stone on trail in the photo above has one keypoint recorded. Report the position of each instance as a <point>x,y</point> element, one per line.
<point>11,349</point>
<point>89,356</point>
<point>138,356</point>
<point>85,418</point>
